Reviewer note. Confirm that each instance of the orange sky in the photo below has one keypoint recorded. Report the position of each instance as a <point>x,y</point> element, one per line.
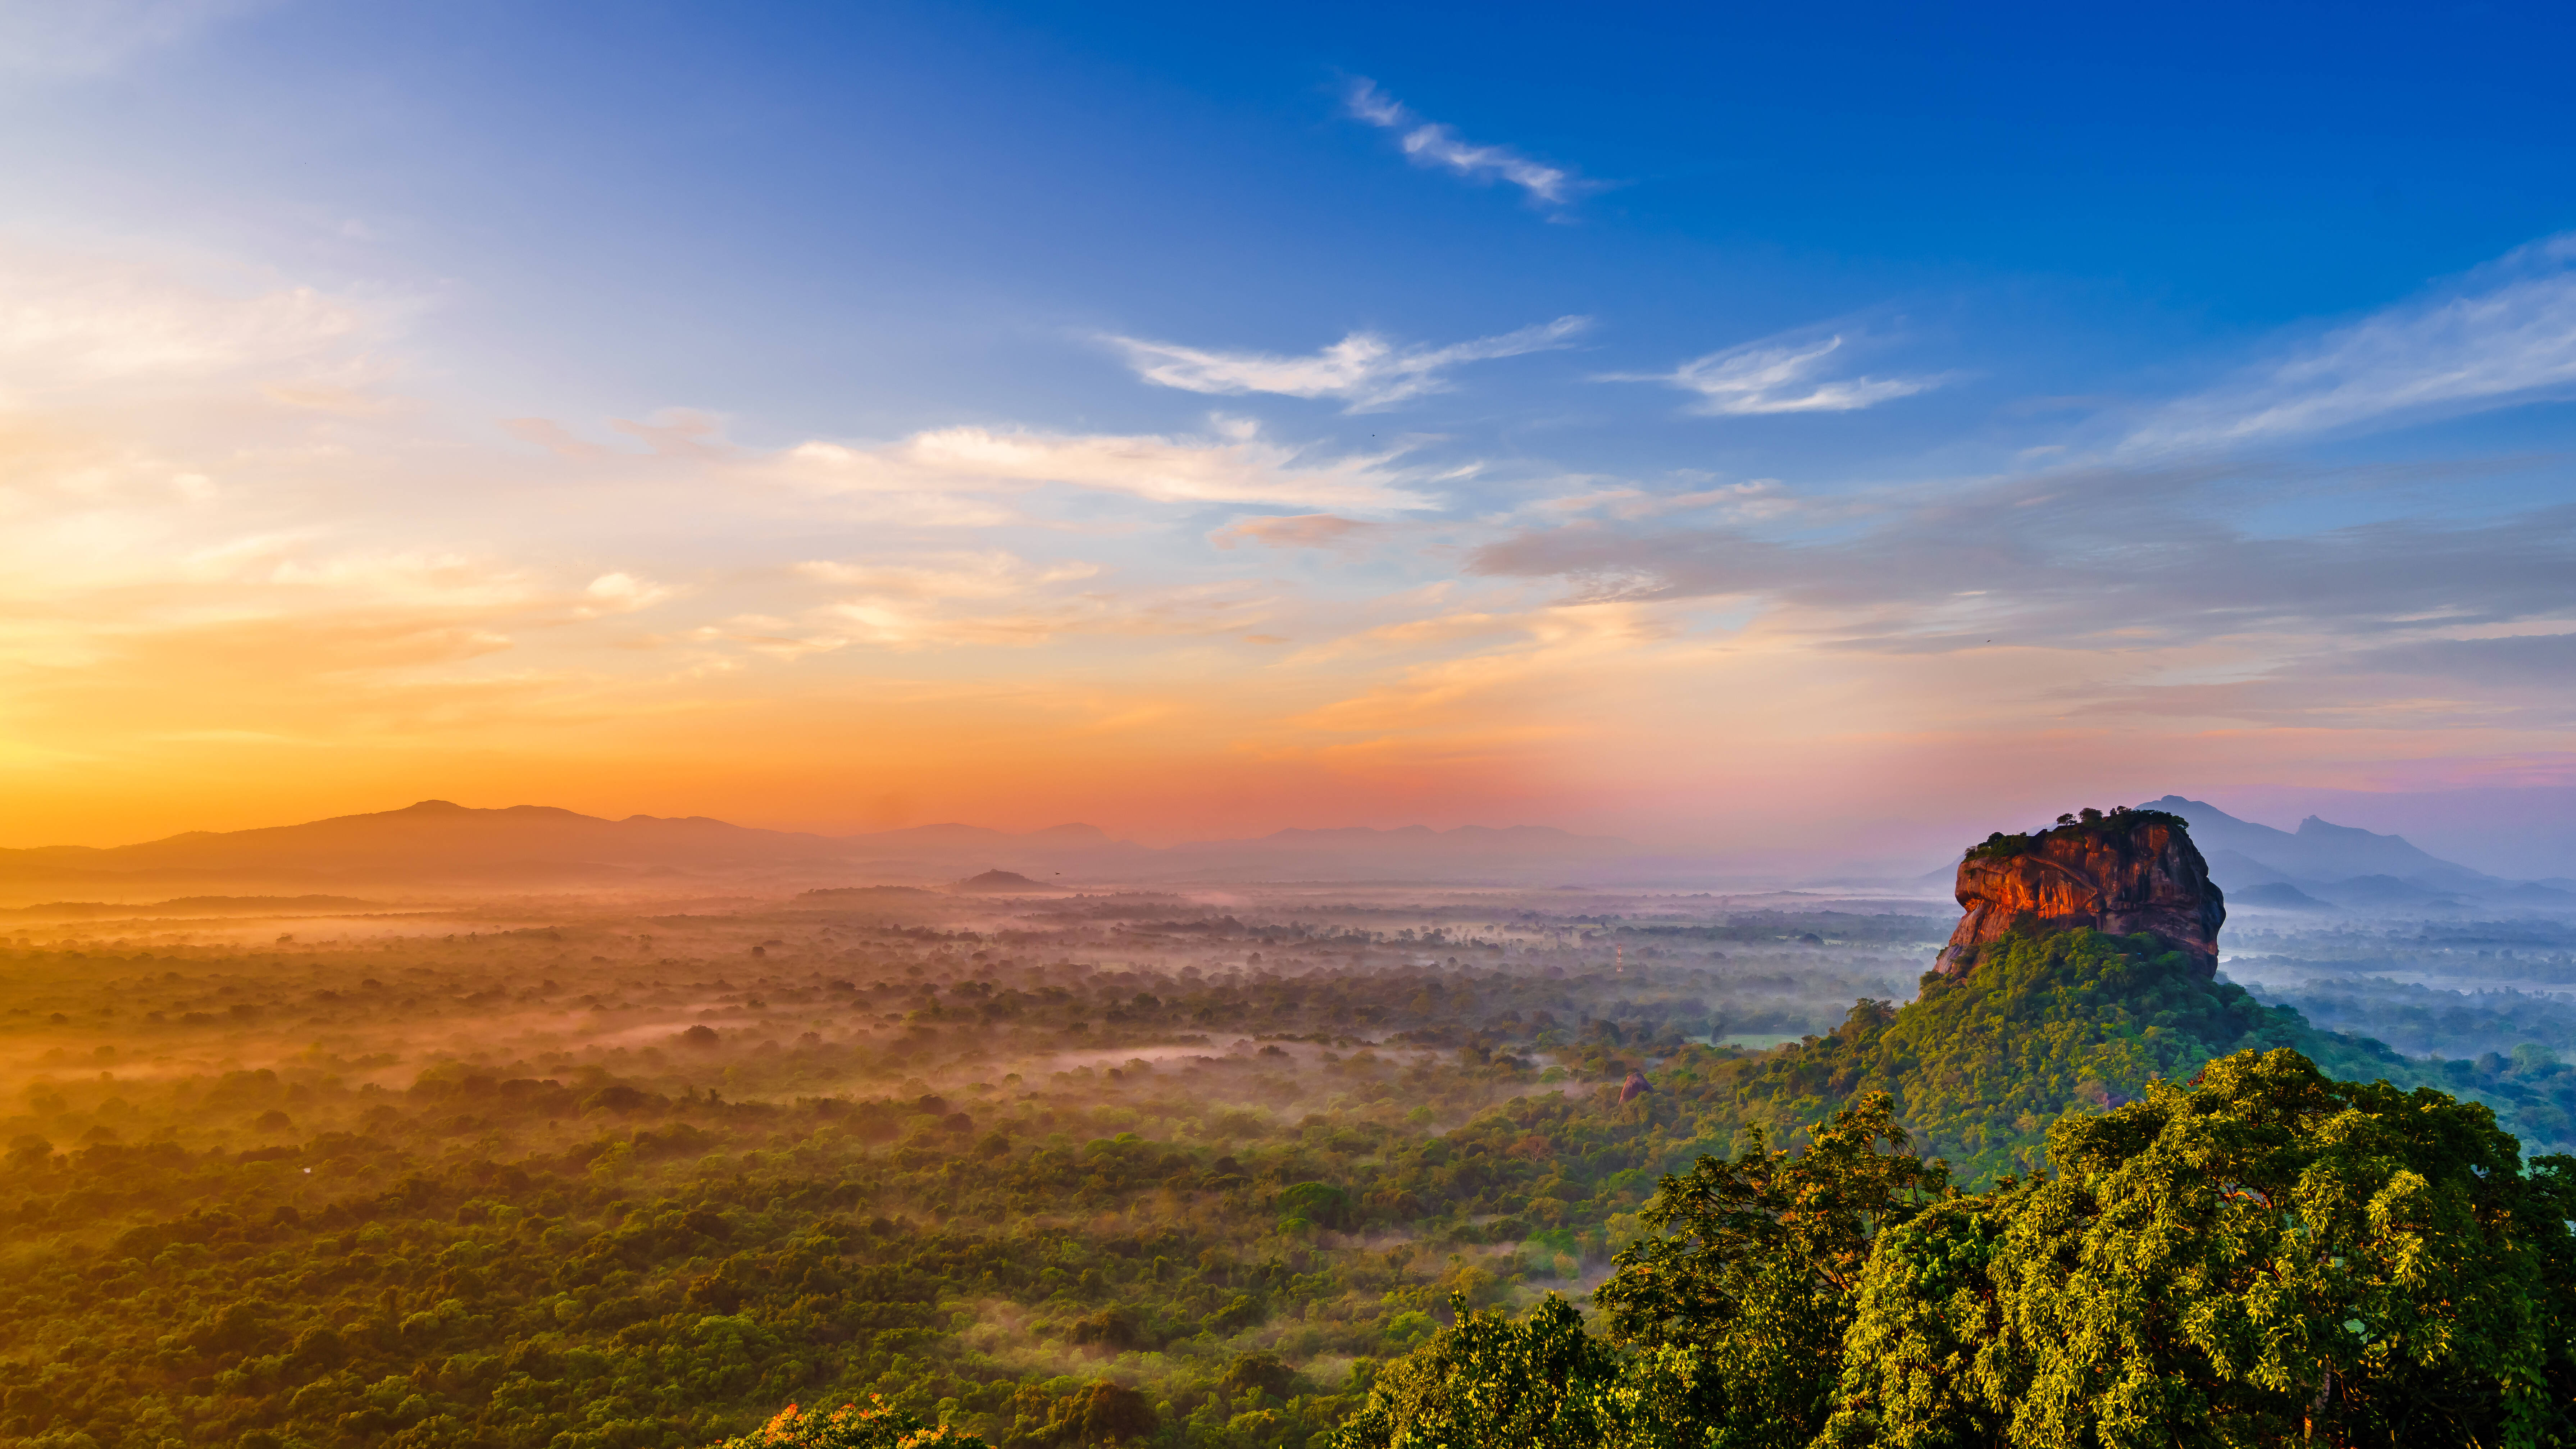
<point>261,563</point>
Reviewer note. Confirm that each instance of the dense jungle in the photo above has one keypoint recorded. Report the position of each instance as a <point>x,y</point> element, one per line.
<point>1190,1169</point>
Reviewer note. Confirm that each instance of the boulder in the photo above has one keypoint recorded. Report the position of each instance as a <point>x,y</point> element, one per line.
<point>2121,873</point>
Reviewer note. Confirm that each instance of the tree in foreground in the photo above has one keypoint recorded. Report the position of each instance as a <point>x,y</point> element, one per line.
<point>2265,1257</point>
<point>2268,1257</point>
<point>1728,1323</point>
<point>1541,1383</point>
<point>1756,1265</point>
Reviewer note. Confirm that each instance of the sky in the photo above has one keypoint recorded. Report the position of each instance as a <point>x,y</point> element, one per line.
<point>1788,433</point>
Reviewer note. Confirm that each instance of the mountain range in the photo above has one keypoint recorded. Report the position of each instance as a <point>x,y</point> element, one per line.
<point>2321,865</point>
<point>438,845</point>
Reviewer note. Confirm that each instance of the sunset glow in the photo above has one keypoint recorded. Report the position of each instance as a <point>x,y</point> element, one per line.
<point>895,501</point>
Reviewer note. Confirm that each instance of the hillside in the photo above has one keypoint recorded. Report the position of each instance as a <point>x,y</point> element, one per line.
<point>2040,1011</point>
<point>2336,863</point>
<point>1032,1166</point>
<point>2049,1024</point>
<point>2179,1227</point>
<point>438,845</point>
<point>606,1182</point>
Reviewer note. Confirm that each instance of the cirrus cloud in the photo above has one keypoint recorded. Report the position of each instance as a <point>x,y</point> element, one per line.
<point>2503,334</point>
<point>1428,143</point>
<point>1778,377</point>
<point>91,327</point>
<point>1363,368</point>
<point>1236,466</point>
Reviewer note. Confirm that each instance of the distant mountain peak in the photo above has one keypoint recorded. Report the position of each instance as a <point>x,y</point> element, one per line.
<point>2319,853</point>
<point>1004,882</point>
<point>447,844</point>
<point>2319,825</point>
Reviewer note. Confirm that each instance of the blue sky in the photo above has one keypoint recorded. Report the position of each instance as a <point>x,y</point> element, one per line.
<point>1681,421</point>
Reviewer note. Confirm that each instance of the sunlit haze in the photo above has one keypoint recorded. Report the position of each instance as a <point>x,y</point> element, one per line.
<point>1148,726</point>
<point>1793,437</point>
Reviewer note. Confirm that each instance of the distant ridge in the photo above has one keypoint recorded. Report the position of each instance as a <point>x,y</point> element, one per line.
<point>2323,866</point>
<point>439,844</point>
<point>2320,851</point>
<point>204,905</point>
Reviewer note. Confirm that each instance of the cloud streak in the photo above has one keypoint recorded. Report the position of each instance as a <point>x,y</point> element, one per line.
<point>1363,369</point>
<point>1778,377</point>
<point>190,552</point>
<point>1303,530</point>
<point>996,598</point>
<point>2501,335</point>
<point>1428,143</point>
<point>1239,466</point>
<point>74,325</point>
<point>2104,559</point>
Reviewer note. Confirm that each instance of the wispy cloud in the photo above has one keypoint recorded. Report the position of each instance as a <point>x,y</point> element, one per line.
<point>1429,143</point>
<point>2098,559</point>
<point>2503,334</point>
<point>1303,530</point>
<point>994,597</point>
<point>70,322</point>
<point>1237,466</point>
<point>1778,377</point>
<point>1363,368</point>
<point>1755,500</point>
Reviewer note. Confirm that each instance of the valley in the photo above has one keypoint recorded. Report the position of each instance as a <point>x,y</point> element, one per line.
<point>565,1171</point>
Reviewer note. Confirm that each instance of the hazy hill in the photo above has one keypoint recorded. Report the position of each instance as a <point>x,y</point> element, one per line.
<point>2053,1015</point>
<point>1004,882</point>
<point>2324,866</point>
<point>435,834</point>
<point>197,906</point>
<point>439,845</point>
<point>436,844</point>
<point>2319,851</point>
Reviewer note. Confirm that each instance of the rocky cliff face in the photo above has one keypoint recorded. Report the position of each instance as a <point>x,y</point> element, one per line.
<point>2122,873</point>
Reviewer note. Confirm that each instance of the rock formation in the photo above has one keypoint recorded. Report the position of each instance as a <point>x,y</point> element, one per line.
<point>2122,873</point>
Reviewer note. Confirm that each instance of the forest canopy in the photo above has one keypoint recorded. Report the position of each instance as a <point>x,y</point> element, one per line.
<point>1050,1174</point>
<point>2263,1256</point>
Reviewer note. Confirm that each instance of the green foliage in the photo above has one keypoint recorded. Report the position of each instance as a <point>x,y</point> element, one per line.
<point>471,1192</point>
<point>2087,824</point>
<point>2270,1256</point>
<point>1925,1325</point>
<point>2504,1047</point>
<point>2044,1024</point>
<point>1318,1203</point>
<point>1542,1382</point>
<point>2262,1257</point>
<point>1755,1264</point>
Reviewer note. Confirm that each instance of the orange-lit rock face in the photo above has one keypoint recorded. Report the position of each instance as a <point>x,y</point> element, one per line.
<point>2131,872</point>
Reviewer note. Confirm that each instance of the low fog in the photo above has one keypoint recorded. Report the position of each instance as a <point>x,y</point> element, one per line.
<point>1228,1147</point>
